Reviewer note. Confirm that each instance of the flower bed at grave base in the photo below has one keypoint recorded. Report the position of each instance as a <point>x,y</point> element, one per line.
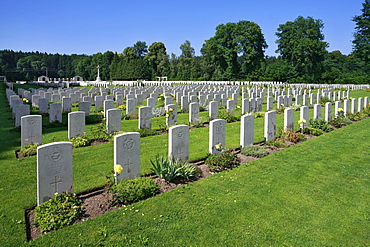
<point>98,201</point>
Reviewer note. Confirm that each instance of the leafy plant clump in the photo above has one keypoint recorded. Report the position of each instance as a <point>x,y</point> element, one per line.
<point>169,169</point>
<point>340,122</point>
<point>96,118</point>
<point>29,150</point>
<point>80,141</point>
<point>222,161</point>
<point>292,136</point>
<point>277,142</point>
<point>324,100</point>
<point>228,116</point>
<point>147,132</point>
<point>254,151</point>
<point>58,212</point>
<point>127,191</point>
<point>320,124</point>
<point>312,131</point>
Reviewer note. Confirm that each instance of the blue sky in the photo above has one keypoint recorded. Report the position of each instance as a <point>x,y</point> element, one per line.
<point>88,27</point>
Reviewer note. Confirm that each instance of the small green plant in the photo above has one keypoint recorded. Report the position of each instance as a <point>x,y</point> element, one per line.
<point>58,212</point>
<point>254,151</point>
<point>258,114</point>
<point>187,171</point>
<point>354,117</point>
<point>320,124</point>
<point>125,116</point>
<point>80,141</point>
<point>169,169</point>
<point>29,150</point>
<point>280,110</point>
<point>277,142</point>
<point>312,131</point>
<point>228,116</point>
<point>340,122</point>
<point>292,136</point>
<point>324,100</point>
<point>147,132</point>
<point>96,118</point>
<point>127,191</point>
<point>222,161</point>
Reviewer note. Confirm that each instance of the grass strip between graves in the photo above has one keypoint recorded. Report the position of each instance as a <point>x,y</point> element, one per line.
<point>315,193</point>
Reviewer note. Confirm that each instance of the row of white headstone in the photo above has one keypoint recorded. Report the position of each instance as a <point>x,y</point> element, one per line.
<point>54,160</point>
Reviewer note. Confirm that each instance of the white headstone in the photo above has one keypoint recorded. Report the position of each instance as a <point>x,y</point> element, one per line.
<point>317,112</point>
<point>178,142</point>
<point>247,130</point>
<point>20,111</point>
<point>76,124</point>
<point>66,104</point>
<point>230,106</point>
<point>184,104</point>
<point>245,106</point>
<point>338,104</point>
<point>108,104</point>
<point>167,100</point>
<point>289,119</point>
<point>354,106</point>
<point>270,125</point>
<point>269,103</point>
<point>303,114</point>
<point>217,135</point>
<point>54,170</point>
<point>194,113</point>
<point>15,103</point>
<point>328,111</point>
<point>119,99</point>
<point>131,107</point>
<point>127,154</point>
<point>98,102</point>
<point>171,115</point>
<point>145,117</point>
<point>213,110</point>
<point>113,122</point>
<point>35,100</point>
<point>151,102</point>
<point>85,107</point>
<point>346,107</point>
<point>55,112</point>
<point>360,104</point>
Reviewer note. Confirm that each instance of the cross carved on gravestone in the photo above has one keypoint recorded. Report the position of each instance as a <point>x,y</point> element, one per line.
<point>31,136</point>
<point>55,183</point>
<point>128,166</point>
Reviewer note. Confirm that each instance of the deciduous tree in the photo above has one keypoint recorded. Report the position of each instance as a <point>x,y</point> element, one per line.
<point>301,43</point>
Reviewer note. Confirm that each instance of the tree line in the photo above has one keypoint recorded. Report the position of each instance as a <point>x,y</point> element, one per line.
<point>235,52</point>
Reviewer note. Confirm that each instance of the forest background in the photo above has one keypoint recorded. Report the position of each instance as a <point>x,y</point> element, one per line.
<point>235,52</point>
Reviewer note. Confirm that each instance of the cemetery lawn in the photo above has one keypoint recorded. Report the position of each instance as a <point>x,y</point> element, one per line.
<point>312,194</point>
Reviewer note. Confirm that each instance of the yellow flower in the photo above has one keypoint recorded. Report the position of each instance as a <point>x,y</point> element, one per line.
<point>218,146</point>
<point>302,121</point>
<point>238,106</point>
<point>171,109</point>
<point>118,169</point>
<point>340,109</point>
<point>282,104</point>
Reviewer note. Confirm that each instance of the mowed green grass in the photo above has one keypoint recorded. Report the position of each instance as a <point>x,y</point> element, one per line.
<point>315,193</point>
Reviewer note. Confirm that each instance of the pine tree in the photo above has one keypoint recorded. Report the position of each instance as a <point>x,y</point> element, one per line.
<point>362,35</point>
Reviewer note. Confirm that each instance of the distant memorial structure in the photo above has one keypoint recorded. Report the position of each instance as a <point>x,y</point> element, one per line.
<point>98,77</point>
